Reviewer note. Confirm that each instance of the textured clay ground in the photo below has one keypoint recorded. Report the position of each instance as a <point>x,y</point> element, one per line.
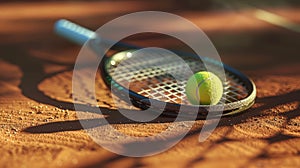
<point>39,127</point>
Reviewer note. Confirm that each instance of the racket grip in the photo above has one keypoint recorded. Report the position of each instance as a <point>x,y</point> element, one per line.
<point>73,32</point>
<point>80,35</point>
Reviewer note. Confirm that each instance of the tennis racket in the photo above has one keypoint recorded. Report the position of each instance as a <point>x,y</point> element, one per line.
<point>152,84</point>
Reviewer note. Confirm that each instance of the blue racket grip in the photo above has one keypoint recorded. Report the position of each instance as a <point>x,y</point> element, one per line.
<point>80,35</point>
<point>73,32</point>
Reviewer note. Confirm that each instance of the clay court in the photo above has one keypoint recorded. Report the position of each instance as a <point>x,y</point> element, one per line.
<point>40,128</point>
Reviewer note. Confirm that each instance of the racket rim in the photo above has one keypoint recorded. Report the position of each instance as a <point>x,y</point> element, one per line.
<point>172,108</point>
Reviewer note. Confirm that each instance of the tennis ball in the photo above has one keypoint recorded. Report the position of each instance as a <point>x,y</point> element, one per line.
<point>204,88</point>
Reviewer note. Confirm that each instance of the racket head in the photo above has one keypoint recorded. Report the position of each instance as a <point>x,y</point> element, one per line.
<point>144,78</point>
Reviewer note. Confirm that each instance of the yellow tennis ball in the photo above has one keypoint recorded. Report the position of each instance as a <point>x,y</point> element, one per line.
<point>204,88</point>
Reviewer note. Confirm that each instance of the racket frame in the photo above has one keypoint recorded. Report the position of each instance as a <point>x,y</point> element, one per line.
<point>81,35</point>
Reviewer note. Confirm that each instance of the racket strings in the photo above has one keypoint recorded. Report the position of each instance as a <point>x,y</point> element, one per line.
<point>148,76</point>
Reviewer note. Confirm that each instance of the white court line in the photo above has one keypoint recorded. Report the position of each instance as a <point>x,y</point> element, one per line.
<point>277,20</point>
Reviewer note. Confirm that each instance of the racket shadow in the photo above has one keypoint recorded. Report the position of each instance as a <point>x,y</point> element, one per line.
<point>112,117</point>
<point>33,74</point>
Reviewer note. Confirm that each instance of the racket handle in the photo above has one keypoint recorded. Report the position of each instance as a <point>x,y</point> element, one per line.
<point>80,35</point>
<point>73,32</point>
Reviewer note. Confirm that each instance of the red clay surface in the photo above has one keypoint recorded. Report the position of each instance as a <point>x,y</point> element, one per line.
<point>40,129</point>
